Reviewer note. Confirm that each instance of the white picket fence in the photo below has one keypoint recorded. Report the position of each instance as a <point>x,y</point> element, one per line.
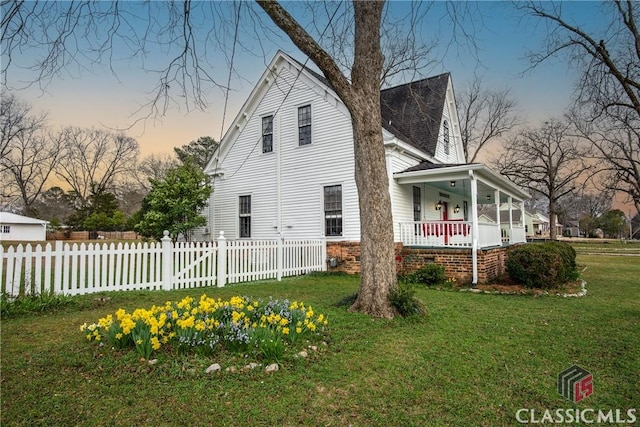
<point>76,269</point>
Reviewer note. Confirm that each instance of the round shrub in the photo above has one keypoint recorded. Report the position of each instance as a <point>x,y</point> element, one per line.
<point>428,274</point>
<point>542,265</point>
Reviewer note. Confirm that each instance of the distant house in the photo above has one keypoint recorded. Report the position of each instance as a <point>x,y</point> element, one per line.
<point>285,169</point>
<point>24,228</point>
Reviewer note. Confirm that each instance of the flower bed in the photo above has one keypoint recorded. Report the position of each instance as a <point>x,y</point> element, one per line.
<point>251,326</point>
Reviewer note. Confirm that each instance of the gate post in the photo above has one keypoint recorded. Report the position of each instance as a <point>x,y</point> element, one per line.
<point>167,262</point>
<point>222,260</point>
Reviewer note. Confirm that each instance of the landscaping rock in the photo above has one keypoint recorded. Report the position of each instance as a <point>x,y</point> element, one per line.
<point>213,368</point>
<point>303,353</point>
<point>313,347</point>
<point>251,366</point>
<point>231,369</point>
<point>272,368</point>
<point>153,361</point>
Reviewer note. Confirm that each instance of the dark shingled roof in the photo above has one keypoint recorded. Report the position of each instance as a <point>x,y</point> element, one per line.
<point>413,111</point>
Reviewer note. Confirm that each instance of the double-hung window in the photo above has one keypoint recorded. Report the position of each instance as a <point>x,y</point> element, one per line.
<point>417,204</point>
<point>244,213</point>
<point>304,125</point>
<point>417,209</point>
<point>6,229</point>
<point>333,210</point>
<point>267,134</point>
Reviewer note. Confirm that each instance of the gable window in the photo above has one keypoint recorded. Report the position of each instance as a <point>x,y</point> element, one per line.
<point>445,136</point>
<point>333,210</point>
<point>267,134</point>
<point>304,125</point>
<point>6,229</point>
<point>244,213</point>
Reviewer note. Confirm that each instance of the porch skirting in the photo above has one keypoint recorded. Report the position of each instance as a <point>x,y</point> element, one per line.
<point>458,262</point>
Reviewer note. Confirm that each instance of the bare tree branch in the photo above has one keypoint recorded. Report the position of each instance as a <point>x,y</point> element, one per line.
<point>484,116</point>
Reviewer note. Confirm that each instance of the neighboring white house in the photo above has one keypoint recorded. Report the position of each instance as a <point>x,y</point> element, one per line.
<point>285,167</point>
<point>23,228</point>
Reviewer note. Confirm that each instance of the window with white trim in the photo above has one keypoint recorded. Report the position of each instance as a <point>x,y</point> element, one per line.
<point>333,210</point>
<point>6,229</point>
<point>304,125</point>
<point>417,204</point>
<point>445,136</point>
<point>244,215</point>
<point>267,134</point>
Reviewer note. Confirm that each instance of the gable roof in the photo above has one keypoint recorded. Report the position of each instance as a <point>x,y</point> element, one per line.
<point>413,111</point>
<point>11,218</point>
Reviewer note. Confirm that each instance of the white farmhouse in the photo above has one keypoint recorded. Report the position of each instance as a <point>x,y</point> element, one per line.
<point>285,169</point>
<point>22,228</point>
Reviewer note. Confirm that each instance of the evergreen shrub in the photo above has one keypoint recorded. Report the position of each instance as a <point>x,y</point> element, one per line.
<point>542,265</point>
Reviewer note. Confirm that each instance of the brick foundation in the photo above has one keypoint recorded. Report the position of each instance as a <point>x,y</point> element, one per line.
<point>457,262</point>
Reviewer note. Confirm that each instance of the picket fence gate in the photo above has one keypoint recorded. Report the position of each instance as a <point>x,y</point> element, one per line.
<point>77,269</point>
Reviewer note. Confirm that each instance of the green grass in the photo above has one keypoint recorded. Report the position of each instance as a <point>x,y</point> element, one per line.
<point>609,246</point>
<point>473,361</point>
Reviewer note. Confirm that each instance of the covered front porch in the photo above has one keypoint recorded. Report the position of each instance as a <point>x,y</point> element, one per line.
<point>448,202</point>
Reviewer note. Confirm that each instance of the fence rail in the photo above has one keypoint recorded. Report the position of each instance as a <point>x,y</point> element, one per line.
<point>74,269</point>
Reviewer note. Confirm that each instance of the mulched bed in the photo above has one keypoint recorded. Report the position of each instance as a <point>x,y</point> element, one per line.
<point>505,285</point>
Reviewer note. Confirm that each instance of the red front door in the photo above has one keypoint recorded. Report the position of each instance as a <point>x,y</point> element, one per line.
<point>445,217</point>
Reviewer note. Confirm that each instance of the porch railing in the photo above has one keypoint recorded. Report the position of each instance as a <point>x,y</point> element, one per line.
<point>436,233</point>
<point>457,234</point>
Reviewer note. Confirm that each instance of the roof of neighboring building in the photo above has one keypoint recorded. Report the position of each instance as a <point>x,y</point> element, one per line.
<point>11,218</point>
<point>413,111</point>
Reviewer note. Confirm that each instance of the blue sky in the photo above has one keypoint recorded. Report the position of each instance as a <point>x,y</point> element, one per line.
<point>95,97</point>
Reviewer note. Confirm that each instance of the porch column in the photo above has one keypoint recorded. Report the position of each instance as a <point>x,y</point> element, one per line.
<point>510,202</point>
<point>523,221</point>
<point>475,233</point>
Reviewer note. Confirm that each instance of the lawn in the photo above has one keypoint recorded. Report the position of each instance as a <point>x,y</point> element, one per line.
<point>475,360</point>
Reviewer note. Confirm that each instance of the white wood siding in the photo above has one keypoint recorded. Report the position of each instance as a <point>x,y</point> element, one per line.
<point>304,170</point>
<point>449,113</point>
<point>440,154</point>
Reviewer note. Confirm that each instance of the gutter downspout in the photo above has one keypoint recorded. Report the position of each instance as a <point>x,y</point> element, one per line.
<point>475,235</point>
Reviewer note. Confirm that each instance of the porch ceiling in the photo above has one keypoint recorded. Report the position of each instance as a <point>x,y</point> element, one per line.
<point>488,181</point>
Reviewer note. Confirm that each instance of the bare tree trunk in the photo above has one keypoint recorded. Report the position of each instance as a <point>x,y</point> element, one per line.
<point>376,224</point>
<point>553,208</point>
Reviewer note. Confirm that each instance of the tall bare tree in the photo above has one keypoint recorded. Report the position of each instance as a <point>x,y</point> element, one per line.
<point>608,92</point>
<point>485,115</point>
<point>30,152</point>
<point>548,161</point>
<point>94,159</point>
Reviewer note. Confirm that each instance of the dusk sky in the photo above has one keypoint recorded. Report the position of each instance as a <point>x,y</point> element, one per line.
<point>95,97</point>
